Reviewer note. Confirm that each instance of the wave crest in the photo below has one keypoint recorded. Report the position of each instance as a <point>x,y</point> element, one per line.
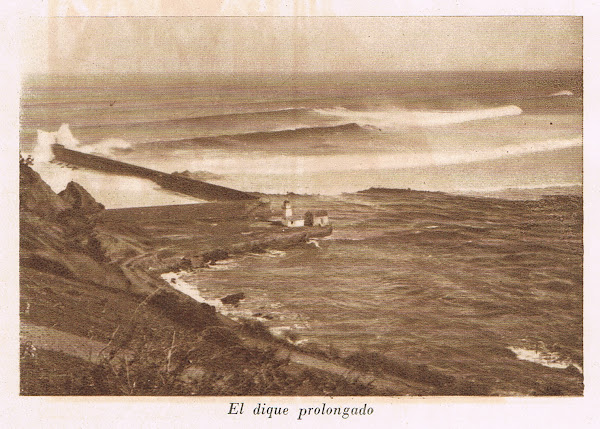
<point>544,357</point>
<point>261,137</point>
<point>285,164</point>
<point>42,151</point>
<point>400,118</point>
<point>563,93</point>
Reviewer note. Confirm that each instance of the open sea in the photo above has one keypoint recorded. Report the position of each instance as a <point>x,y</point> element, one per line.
<point>488,289</point>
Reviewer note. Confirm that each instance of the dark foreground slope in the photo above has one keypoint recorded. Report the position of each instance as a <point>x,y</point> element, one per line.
<point>91,326</point>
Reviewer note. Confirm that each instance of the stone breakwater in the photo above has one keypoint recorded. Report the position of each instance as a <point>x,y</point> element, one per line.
<point>280,240</point>
<point>172,182</point>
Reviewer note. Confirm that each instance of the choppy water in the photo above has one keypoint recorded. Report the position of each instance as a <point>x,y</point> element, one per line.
<point>490,290</point>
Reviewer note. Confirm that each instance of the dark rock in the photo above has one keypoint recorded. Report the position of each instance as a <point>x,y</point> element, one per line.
<point>214,255</point>
<point>198,175</point>
<point>571,370</point>
<point>57,239</point>
<point>80,199</point>
<point>257,248</point>
<point>262,315</point>
<point>185,264</point>
<point>36,196</point>
<point>233,299</point>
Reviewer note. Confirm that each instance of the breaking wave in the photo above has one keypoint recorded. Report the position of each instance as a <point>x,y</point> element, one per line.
<point>392,118</point>
<point>284,164</point>
<point>544,357</point>
<point>400,118</point>
<point>286,332</point>
<point>108,147</point>
<point>177,282</point>
<point>42,152</point>
<point>563,93</point>
<point>243,115</point>
<point>226,140</point>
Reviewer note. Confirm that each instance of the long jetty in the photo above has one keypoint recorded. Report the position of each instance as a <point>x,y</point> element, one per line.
<point>184,185</point>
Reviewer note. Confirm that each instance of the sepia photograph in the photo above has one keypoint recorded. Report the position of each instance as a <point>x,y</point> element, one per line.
<point>301,206</point>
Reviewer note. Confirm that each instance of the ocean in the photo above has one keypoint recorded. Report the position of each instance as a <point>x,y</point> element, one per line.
<point>488,289</point>
<point>324,134</point>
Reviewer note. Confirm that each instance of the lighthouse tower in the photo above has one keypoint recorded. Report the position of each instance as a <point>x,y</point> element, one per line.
<point>287,209</point>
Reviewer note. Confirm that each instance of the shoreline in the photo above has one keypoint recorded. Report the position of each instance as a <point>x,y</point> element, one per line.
<point>255,334</point>
<point>211,259</point>
<point>230,311</point>
<point>114,284</point>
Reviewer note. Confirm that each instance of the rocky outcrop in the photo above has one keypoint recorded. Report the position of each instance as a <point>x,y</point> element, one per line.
<point>80,199</point>
<point>199,175</point>
<point>35,196</point>
<point>57,236</point>
<point>275,240</point>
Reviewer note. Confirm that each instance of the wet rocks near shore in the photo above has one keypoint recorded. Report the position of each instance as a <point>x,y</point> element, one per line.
<point>213,256</point>
<point>233,299</point>
<point>274,240</point>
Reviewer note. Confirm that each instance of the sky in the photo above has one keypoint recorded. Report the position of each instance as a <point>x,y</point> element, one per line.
<point>299,44</point>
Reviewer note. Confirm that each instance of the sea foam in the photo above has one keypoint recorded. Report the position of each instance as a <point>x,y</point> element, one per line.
<point>288,164</point>
<point>177,282</point>
<point>42,152</point>
<point>563,93</point>
<point>401,118</point>
<point>545,358</point>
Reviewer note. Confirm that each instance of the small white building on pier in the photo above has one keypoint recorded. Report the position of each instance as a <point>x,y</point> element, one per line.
<point>288,216</point>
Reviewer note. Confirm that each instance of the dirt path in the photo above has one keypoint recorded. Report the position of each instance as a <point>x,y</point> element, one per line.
<point>43,337</point>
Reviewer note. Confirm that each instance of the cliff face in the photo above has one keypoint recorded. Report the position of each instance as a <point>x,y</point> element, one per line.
<point>57,236</point>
